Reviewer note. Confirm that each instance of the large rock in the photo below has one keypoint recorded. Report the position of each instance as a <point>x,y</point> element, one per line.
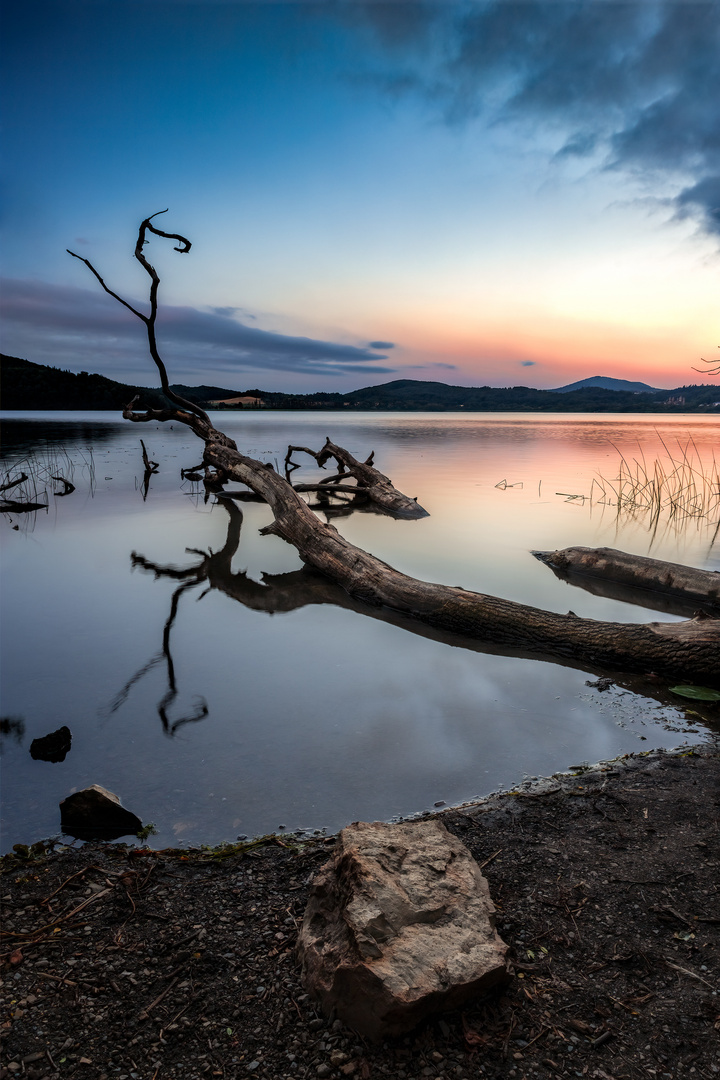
<point>399,924</point>
<point>96,814</point>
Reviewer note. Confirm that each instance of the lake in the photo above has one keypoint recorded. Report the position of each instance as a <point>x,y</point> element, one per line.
<point>214,718</point>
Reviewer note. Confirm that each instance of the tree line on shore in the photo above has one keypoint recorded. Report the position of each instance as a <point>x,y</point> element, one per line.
<point>26,385</point>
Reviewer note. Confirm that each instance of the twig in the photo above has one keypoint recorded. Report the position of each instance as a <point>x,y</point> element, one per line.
<point>146,1012</point>
<point>690,974</point>
<point>65,882</point>
<point>56,922</point>
<point>483,865</point>
<point>56,978</point>
<point>543,1031</point>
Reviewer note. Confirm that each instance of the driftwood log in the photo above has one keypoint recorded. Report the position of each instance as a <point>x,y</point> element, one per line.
<point>687,650</point>
<point>370,483</point>
<point>664,586</point>
<point>306,587</point>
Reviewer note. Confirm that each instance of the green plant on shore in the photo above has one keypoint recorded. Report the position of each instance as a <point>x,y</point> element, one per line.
<point>146,832</point>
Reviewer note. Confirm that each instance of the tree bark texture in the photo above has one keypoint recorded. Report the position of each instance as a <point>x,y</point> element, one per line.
<point>651,583</point>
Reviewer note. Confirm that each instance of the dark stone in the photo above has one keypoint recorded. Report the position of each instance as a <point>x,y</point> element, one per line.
<point>52,747</point>
<point>96,814</point>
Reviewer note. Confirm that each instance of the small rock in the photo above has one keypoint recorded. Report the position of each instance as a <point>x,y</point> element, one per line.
<point>53,747</point>
<point>96,814</point>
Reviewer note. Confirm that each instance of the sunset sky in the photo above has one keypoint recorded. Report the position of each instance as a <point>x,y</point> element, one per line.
<point>479,193</point>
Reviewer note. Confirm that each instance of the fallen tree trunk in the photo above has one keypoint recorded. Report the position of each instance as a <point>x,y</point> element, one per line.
<point>651,583</point>
<point>687,650</point>
<point>299,588</point>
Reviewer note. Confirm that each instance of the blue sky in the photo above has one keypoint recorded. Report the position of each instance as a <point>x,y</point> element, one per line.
<point>481,193</point>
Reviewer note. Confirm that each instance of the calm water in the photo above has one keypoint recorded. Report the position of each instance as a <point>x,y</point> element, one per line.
<point>316,715</point>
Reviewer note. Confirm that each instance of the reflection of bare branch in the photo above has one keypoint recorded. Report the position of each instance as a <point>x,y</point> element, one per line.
<point>169,697</point>
<point>68,488</point>
<point>14,483</point>
<point>10,506</point>
<point>150,466</point>
<point>145,486</point>
<point>201,710</point>
<point>123,694</point>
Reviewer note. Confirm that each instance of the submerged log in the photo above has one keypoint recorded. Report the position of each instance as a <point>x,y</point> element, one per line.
<point>652,583</point>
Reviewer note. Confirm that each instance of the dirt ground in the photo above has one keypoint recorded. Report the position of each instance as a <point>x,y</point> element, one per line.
<point>120,962</point>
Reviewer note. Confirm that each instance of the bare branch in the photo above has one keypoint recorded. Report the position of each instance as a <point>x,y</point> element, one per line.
<point>714,366</point>
<point>149,320</point>
<point>105,287</point>
<point>186,245</point>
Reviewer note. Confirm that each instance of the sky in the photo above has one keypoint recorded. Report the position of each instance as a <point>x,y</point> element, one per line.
<point>480,193</point>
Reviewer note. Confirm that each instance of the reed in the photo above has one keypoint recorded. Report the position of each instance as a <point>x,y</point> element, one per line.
<point>42,471</point>
<point>675,489</point>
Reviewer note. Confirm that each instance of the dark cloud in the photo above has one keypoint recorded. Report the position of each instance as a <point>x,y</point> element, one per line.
<point>426,367</point>
<point>703,197</point>
<point>635,84</point>
<point>66,326</point>
<point>230,311</point>
<point>528,363</point>
<point>381,345</point>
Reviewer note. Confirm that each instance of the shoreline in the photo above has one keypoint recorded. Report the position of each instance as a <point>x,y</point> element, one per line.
<point>176,965</point>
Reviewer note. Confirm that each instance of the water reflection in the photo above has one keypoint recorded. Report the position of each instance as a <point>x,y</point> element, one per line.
<point>283,593</point>
<point>23,435</point>
<point>315,716</point>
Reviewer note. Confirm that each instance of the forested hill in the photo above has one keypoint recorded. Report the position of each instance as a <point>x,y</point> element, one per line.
<point>25,385</point>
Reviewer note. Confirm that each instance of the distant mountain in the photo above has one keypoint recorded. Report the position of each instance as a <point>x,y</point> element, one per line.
<point>35,386</point>
<point>602,382</point>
